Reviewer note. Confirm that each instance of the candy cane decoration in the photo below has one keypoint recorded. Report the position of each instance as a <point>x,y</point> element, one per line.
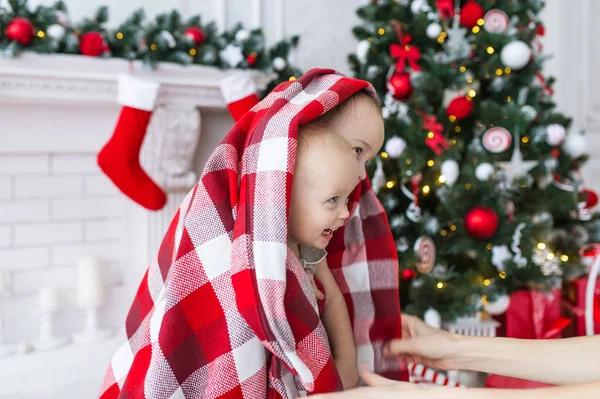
<point>592,250</point>
<point>495,21</point>
<point>425,250</point>
<point>419,373</point>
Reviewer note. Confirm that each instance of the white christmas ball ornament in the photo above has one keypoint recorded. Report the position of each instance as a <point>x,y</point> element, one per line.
<point>56,31</point>
<point>419,6</point>
<point>279,64</point>
<point>450,170</point>
<point>575,144</point>
<point>484,171</point>
<point>242,35</point>
<point>433,30</point>
<point>555,134</point>
<point>515,54</point>
<point>362,49</point>
<point>432,317</point>
<point>498,306</point>
<point>529,112</point>
<point>395,146</point>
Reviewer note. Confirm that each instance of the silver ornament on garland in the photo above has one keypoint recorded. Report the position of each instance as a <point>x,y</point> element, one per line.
<point>518,258</point>
<point>457,47</point>
<point>547,261</point>
<point>517,167</point>
<point>500,254</point>
<point>498,306</point>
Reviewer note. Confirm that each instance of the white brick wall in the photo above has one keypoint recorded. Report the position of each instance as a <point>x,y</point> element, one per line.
<point>54,210</point>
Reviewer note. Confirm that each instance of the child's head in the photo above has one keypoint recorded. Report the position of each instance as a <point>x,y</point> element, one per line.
<point>325,174</point>
<point>358,120</point>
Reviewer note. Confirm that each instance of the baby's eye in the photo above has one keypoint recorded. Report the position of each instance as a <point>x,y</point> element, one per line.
<point>333,199</point>
<point>358,150</point>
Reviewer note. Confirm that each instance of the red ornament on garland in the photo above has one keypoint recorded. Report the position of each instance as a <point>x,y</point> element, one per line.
<point>92,44</point>
<point>445,8</point>
<point>196,34</point>
<point>408,275</point>
<point>481,222</point>
<point>470,14</point>
<point>399,85</point>
<point>460,107</point>
<point>251,59</point>
<point>590,197</point>
<point>21,30</point>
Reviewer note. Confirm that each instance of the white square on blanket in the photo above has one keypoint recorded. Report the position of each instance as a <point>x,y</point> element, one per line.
<point>122,361</point>
<point>357,277</point>
<point>214,255</point>
<point>273,155</point>
<point>269,260</point>
<point>249,358</point>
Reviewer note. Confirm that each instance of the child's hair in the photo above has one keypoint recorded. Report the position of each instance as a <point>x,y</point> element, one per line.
<point>331,118</point>
<point>310,134</point>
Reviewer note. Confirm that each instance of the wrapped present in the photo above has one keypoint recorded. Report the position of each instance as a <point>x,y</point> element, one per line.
<point>533,315</point>
<point>573,306</point>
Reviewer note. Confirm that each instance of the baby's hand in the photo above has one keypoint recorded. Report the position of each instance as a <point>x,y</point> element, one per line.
<point>318,294</point>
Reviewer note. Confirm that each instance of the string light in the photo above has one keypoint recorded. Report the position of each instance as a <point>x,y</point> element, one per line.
<point>525,139</point>
<point>452,118</point>
<point>564,258</point>
<point>119,35</point>
<point>502,274</point>
<point>430,163</point>
<point>489,246</point>
<point>153,47</point>
<point>487,282</point>
<point>390,184</point>
<point>472,93</point>
<point>442,179</point>
<point>480,21</point>
<point>490,50</point>
<point>484,300</point>
<point>468,186</point>
<point>541,245</point>
<point>381,31</point>
<point>453,227</point>
<point>430,135</point>
<point>384,155</point>
<point>453,142</point>
<point>463,68</point>
<point>292,78</point>
<point>470,79</point>
<point>426,189</point>
<point>192,51</point>
<point>476,29</point>
<point>550,256</point>
<point>41,33</point>
<point>444,233</point>
<point>442,37</point>
<point>499,72</point>
<point>440,285</point>
<point>507,70</point>
<point>408,161</point>
<point>457,129</point>
<point>508,99</point>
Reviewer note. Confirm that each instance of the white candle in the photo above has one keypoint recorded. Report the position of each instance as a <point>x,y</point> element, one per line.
<point>90,290</point>
<point>48,299</point>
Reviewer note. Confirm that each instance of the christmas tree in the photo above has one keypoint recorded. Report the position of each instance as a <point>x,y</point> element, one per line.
<point>479,173</point>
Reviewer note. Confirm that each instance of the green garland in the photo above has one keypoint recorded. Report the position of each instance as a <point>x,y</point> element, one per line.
<point>160,40</point>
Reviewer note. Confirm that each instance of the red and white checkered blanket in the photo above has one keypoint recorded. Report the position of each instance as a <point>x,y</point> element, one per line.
<point>226,310</point>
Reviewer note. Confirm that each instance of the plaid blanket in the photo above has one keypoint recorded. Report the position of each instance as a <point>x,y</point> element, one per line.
<point>225,310</point>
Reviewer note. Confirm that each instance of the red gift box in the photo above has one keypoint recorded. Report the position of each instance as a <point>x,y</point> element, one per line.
<point>574,307</point>
<point>530,315</point>
<point>533,315</point>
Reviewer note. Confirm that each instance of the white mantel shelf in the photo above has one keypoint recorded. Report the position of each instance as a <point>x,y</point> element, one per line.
<point>76,78</point>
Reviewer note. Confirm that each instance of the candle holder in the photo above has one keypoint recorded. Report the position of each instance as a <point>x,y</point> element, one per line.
<point>90,296</point>
<point>48,306</point>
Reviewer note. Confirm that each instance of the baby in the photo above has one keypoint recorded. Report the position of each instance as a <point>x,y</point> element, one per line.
<point>326,172</point>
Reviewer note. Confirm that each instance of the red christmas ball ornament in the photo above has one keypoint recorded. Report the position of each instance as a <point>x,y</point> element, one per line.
<point>470,13</point>
<point>460,107</point>
<point>251,59</point>
<point>92,44</point>
<point>399,85</point>
<point>21,30</point>
<point>481,222</point>
<point>408,275</point>
<point>555,153</point>
<point>196,34</point>
<point>540,30</point>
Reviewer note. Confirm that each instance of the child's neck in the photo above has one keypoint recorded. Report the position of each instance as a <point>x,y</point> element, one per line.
<point>295,248</point>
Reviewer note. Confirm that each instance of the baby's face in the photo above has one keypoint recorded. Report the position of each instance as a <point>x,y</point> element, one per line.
<point>323,180</point>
